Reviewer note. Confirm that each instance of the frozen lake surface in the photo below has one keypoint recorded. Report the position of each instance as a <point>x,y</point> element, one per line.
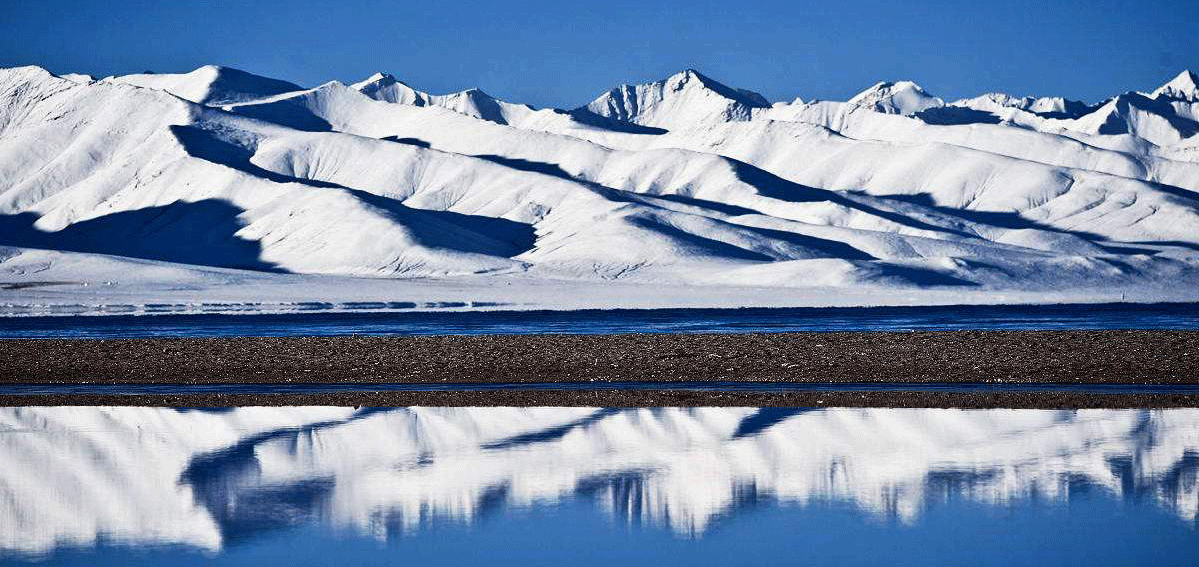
<point>1049,317</point>
<point>597,486</point>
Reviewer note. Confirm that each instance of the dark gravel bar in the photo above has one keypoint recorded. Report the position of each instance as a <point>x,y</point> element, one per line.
<point>938,356</point>
<point>1156,357</point>
<point>640,398</point>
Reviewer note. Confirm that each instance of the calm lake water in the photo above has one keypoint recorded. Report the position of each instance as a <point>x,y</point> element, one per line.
<point>594,486</point>
<point>1104,316</point>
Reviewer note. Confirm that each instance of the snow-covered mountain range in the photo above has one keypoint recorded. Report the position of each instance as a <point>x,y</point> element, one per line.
<point>141,476</point>
<point>219,175</point>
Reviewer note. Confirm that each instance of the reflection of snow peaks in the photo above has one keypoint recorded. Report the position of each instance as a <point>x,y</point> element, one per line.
<point>204,478</point>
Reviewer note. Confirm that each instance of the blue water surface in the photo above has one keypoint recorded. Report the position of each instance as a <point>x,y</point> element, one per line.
<point>1091,530</point>
<point>748,320</point>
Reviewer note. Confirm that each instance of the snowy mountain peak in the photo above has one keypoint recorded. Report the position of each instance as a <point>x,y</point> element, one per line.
<point>902,97</point>
<point>746,97</point>
<point>379,77</point>
<point>683,99</point>
<point>474,102</point>
<point>682,79</point>
<point>1046,107</point>
<point>211,84</point>
<point>1000,100</point>
<point>78,78</point>
<point>385,87</point>
<point>691,78</point>
<point>471,102</point>
<point>1183,87</point>
<point>27,72</point>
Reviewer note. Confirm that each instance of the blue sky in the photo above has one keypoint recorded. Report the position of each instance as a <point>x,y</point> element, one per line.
<point>563,53</point>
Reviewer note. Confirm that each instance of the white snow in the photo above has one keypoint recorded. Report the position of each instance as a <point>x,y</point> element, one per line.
<point>998,103</point>
<point>1183,87</point>
<point>903,97</point>
<point>471,102</point>
<point>210,84</point>
<point>79,78</point>
<point>686,98</point>
<point>679,192</point>
<point>385,87</point>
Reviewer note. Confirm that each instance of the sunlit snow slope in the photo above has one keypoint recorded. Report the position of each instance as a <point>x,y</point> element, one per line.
<point>681,182</point>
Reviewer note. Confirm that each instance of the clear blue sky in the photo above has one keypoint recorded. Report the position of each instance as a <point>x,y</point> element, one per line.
<point>563,53</point>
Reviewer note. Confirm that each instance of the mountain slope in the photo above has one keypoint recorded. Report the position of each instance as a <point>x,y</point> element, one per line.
<point>681,182</point>
<point>210,84</point>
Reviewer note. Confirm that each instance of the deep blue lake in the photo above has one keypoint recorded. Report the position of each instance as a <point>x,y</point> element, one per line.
<point>594,486</point>
<point>1101,316</point>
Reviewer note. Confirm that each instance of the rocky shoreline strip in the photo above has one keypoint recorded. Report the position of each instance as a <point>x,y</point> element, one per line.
<point>1156,357</point>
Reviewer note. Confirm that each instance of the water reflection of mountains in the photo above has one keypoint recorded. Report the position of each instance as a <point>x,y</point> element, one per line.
<point>209,479</point>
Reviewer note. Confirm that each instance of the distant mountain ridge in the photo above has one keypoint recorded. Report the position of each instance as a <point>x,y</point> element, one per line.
<point>683,180</point>
<point>685,99</point>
